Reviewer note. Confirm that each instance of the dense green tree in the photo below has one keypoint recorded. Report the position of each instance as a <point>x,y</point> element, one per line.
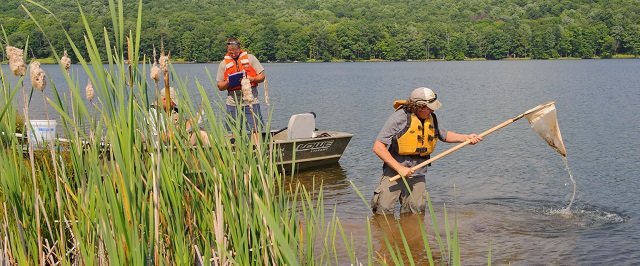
<point>564,41</point>
<point>299,45</point>
<point>436,37</point>
<point>583,43</point>
<point>320,42</point>
<point>390,49</point>
<point>457,47</point>
<point>476,42</point>
<point>296,30</point>
<point>347,36</point>
<point>411,41</point>
<point>519,35</point>
<point>498,44</point>
<point>291,44</point>
<point>632,40</point>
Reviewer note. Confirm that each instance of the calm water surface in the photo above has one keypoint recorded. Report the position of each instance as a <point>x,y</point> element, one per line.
<point>505,191</point>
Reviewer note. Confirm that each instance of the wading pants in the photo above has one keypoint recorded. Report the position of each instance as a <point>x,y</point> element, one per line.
<point>412,198</point>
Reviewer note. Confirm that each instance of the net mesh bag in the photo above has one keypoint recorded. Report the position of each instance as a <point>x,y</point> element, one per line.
<point>545,122</point>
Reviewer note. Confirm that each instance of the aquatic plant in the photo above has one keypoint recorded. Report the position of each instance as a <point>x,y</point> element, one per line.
<point>65,61</point>
<point>155,69</point>
<point>89,92</point>
<point>38,77</point>
<point>16,60</point>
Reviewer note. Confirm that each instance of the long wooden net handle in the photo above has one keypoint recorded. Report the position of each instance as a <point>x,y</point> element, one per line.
<point>457,147</point>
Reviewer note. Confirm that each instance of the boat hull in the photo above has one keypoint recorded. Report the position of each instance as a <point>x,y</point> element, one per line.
<point>325,149</point>
<point>291,155</point>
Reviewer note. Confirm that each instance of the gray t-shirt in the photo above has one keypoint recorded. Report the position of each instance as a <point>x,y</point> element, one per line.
<point>394,124</point>
<point>233,95</point>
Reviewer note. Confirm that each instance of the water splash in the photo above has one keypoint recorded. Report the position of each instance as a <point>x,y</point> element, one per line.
<point>588,216</point>
<point>567,210</point>
<point>564,212</point>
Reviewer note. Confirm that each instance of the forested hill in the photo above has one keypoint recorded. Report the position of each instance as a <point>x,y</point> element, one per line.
<point>304,30</point>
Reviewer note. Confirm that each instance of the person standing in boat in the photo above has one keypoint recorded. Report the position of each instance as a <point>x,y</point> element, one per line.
<point>407,139</point>
<point>237,60</point>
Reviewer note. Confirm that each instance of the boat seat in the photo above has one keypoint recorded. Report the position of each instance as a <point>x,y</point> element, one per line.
<point>301,126</point>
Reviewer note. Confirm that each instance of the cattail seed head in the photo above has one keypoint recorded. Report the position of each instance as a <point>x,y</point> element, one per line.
<point>164,63</point>
<point>16,61</point>
<point>155,72</point>
<point>90,93</point>
<point>66,61</point>
<point>38,77</point>
<point>155,69</point>
<point>247,93</point>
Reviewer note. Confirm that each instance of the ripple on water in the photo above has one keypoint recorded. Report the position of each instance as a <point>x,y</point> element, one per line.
<point>519,230</point>
<point>589,216</point>
<point>534,217</point>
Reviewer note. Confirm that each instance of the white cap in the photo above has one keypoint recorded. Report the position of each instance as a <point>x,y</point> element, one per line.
<point>426,97</point>
<point>172,93</point>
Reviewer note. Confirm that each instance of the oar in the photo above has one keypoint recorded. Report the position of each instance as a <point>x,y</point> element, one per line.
<point>489,131</point>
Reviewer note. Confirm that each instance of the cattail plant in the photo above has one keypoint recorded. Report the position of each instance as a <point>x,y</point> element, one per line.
<point>164,63</point>
<point>130,61</point>
<point>247,94</point>
<point>66,61</point>
<point>155,70</point>
<point>164,66</point>
<point>38,77</point>
<point>266,92</point>
<point>89,92</point>
<point>16,61</point>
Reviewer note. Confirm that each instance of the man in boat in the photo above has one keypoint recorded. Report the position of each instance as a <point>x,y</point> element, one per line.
<point>407,139</point>
<point>193,131</point>
<point>239,61</point>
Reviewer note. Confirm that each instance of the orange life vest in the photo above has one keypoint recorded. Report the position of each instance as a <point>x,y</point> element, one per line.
<point>234,66</point>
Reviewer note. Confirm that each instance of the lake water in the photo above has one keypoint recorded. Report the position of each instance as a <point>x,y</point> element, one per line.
<point>505,192</point>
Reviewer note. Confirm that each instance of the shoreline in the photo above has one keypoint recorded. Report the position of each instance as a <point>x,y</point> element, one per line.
<point>51,61</point>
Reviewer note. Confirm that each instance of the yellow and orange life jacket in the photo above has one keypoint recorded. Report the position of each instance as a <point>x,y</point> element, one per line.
<point>418,138</point>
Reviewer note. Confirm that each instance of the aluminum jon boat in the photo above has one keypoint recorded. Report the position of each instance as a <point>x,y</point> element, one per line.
<point>300,143</point>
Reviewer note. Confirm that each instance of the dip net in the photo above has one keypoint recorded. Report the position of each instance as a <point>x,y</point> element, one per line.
<point>544,121</point>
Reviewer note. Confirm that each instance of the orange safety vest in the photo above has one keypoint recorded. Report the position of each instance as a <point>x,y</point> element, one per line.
<point>232,66</point>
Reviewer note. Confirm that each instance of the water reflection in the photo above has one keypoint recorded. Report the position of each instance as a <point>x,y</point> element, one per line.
<point>331,176</point>
<point>332,179</point>
<point>391,234</point>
